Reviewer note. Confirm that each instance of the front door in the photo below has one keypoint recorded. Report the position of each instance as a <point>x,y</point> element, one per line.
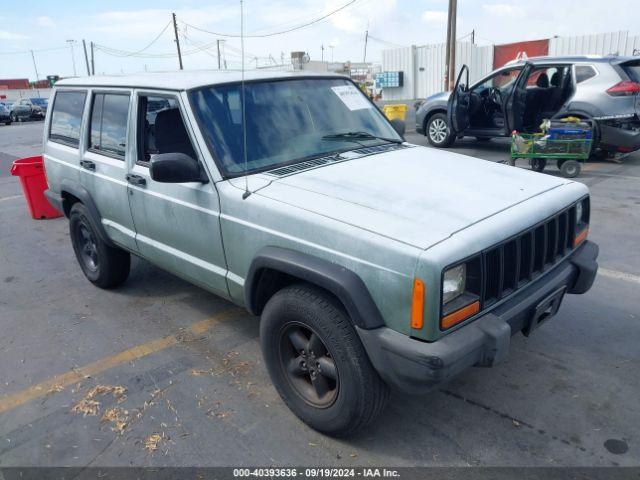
<point>103,163</point>
<point>177,224</point>
<point>516,100</point>
<point>458,105</point>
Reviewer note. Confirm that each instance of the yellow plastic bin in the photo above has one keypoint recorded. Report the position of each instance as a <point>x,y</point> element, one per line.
<point>396,111</point>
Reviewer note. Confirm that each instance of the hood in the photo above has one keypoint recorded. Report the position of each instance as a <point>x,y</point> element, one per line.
<point>438,96</point>
<point>418,196</point>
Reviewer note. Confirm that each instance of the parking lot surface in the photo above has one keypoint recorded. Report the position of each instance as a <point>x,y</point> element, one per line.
<point>159,372</point>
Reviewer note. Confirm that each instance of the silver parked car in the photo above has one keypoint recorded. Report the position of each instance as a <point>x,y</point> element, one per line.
<point>373,263</point>
<point>521,94</point>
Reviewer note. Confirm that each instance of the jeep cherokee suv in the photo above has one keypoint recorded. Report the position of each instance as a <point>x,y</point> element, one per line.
<point>373,263</point>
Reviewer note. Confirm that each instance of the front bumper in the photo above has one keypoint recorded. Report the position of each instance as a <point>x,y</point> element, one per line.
<point>415,366</point>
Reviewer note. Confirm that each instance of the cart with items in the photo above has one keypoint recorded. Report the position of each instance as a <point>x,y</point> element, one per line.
<point>567,141</point>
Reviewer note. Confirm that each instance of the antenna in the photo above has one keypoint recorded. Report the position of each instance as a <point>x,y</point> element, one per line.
<point>246,193</point>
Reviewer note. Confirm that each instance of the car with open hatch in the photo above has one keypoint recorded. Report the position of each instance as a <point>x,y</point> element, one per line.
<point>523,93</point>
<point>374,264</point>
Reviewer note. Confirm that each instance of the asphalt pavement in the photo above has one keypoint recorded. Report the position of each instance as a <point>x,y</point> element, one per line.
<point>159,372</point>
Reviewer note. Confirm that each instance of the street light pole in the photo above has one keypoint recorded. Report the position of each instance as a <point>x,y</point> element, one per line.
<point>73,57</point>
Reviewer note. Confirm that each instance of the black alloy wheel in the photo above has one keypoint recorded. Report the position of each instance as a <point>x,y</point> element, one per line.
<point>308,365</point>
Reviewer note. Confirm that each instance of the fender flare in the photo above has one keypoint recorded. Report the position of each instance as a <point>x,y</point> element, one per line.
<point>78,191</point>
<point>346,285</point>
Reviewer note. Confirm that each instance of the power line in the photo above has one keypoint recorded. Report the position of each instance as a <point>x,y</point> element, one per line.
<point>154,40</point>
<point>385,42</point>
<point>292,29</point>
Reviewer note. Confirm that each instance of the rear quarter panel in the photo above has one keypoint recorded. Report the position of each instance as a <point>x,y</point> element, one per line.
<point>61,161</point>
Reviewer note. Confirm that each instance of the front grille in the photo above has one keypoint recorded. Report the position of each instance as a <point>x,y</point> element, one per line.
<point>519,260</point>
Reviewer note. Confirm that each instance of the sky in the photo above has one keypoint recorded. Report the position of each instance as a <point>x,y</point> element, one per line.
<point>122,28</point>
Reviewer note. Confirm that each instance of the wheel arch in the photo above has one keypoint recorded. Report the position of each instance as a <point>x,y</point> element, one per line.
<point>274,268</point>
<point>72,192</point>
<point>430,114</point>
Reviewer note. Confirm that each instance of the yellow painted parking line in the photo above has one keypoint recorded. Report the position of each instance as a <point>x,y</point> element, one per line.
<point>73,376</point>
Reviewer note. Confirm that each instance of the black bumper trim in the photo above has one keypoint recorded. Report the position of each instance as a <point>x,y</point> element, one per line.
<point>54,199</point>
<point>415,366</point>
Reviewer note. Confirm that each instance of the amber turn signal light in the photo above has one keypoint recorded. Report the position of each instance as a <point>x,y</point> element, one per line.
<point>580,237</point>
<point>460,315</point>
<point>417,304</point>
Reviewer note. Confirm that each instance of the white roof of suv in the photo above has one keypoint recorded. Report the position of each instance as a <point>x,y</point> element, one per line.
<point>182,80</point>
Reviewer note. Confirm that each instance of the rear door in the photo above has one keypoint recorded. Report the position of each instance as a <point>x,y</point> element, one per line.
<point>103,162</point>
<point>516,100</point>
<point>458,104</point>
<point>177,224</point>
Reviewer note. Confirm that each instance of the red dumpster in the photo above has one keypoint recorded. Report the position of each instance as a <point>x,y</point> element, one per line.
<point>34,183</point>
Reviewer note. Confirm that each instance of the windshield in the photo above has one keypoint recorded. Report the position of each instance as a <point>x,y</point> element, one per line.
<point>287,121</point>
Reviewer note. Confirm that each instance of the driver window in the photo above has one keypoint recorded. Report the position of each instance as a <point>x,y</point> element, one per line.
<point>503,80</point>
<point>161,128</point>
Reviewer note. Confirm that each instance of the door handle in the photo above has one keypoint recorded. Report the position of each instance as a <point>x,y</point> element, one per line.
<point>88,164</point>
<point>136,180</point>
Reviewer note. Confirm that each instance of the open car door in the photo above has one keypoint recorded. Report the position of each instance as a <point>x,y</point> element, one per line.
<point>459,101</point>
<point>516,100</point>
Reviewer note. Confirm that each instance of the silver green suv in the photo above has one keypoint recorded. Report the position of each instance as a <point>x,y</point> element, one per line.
<point>373,263</point>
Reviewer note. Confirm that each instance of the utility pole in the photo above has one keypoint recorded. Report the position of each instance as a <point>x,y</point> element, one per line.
<point>332,47</point>
<point>175,30</point>
<point>93,62</point>
<point>73,57</point>
<point>366,37</point>
<point>86,57</point>
<point>452,67</point>
<point>473,36</point>
<point>322,54</point>
<point>450,51</point>
<point>218,45</point>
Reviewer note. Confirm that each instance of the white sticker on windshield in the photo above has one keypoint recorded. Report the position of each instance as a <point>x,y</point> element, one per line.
<point>353,98</point>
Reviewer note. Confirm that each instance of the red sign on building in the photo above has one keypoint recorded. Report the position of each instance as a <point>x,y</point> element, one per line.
<point>511,51</point>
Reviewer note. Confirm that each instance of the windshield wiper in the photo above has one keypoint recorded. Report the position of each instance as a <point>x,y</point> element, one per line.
<point>353,136</point>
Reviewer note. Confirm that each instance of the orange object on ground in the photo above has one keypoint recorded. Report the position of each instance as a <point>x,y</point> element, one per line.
<point>34,183</point>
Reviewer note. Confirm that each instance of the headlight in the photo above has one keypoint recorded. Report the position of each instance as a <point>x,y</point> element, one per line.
<point>454,283</point>
<point>579,211</point>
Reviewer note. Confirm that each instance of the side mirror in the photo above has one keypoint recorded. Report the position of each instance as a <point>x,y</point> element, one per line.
<point>176,168</point>
<point>399,126</point>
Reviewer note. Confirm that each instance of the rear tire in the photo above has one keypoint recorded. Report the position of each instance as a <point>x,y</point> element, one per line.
<point>317,362</point>
<point>438,131</point>
<point>570,168</point>
<point>104,266</point>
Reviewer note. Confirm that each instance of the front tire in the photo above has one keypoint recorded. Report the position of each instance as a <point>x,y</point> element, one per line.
<point>538,164</point>
<point>317,362</point>
<point>104,266</point>
<point>439,131</point>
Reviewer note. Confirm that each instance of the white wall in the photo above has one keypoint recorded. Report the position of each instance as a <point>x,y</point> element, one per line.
<point>613,43</point>
<point>423,67</point>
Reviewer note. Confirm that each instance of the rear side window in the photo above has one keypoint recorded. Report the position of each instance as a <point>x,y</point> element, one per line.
<point>584,72</point>
<point>67,117</point>
<point>108,129</point>
<point>632,69</point>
